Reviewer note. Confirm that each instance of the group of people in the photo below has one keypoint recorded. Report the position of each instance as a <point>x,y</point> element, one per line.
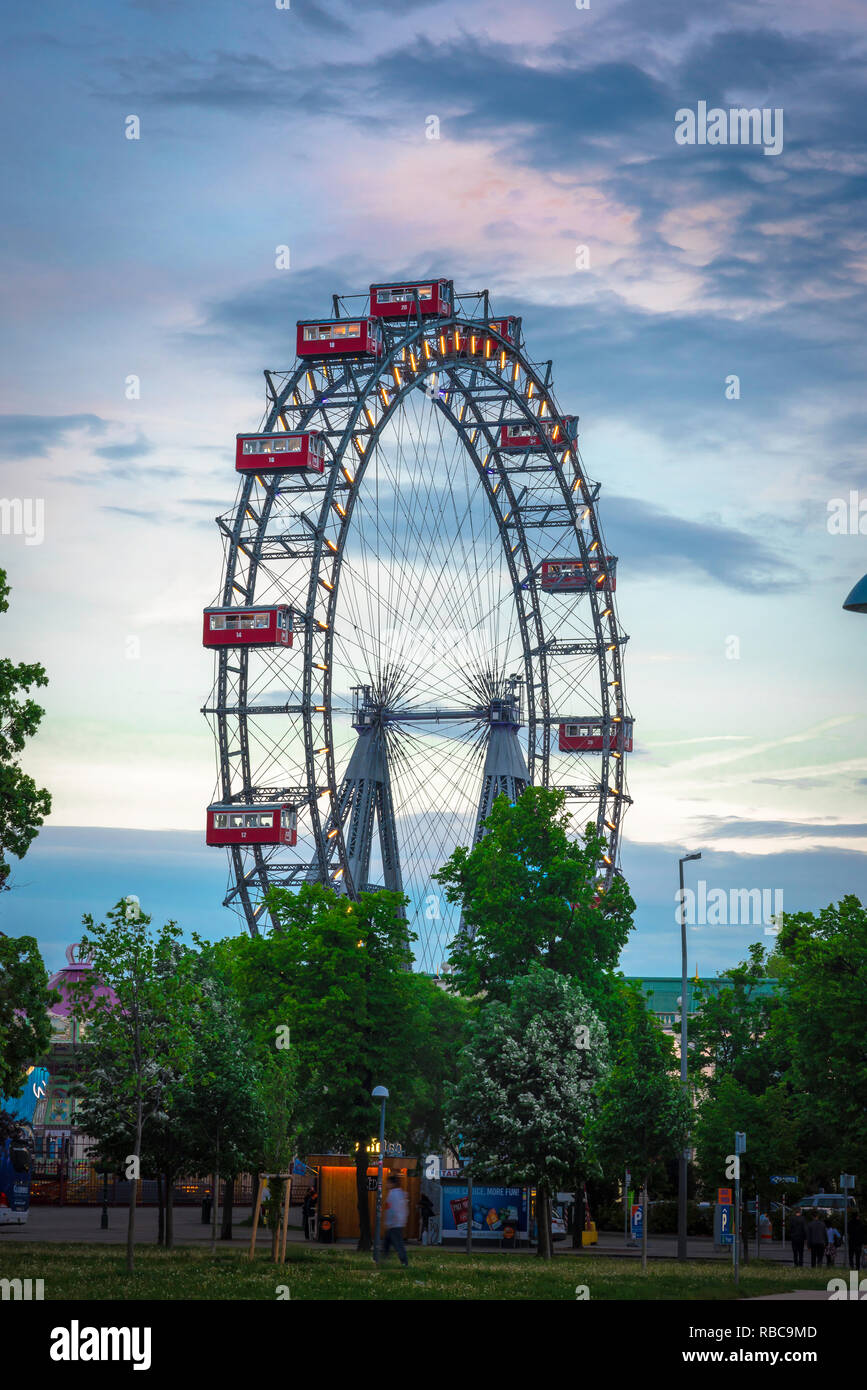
<point>824,1239</point>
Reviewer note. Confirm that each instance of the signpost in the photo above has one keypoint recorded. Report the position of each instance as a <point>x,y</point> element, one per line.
<point>723,1217</point>
<point>740,1148</point>
<point>626,1208</point>
<point>787,1179</point>
<point>847,1184</point>
<point>637,1220</point>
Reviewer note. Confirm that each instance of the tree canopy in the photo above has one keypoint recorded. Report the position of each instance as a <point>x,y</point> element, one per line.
<point>530,894</point>
<point>23,805</point>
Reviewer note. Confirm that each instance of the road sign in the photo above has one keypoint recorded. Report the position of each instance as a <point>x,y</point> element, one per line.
<point>740,1142</point>
<point>637,1220</point>
<point>847,1181</point>
<point>725,1224</point>
<point>724,1196</point>
<point>787,1178</point>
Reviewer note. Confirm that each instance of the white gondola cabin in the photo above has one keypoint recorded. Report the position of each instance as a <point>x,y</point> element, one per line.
<point>234,824</point>
<point>276,451</point>
<point>260,626</point>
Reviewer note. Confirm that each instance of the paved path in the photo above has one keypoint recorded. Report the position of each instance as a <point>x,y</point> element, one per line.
<point>76,1223</point>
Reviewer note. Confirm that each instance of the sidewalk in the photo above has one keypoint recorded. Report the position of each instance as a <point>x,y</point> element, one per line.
<point>56,1224</point>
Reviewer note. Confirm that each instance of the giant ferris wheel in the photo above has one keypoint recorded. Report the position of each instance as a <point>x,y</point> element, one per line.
<point>417,610</point>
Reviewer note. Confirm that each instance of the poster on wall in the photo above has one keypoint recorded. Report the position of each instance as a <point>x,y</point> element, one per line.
<point>494,1210</point>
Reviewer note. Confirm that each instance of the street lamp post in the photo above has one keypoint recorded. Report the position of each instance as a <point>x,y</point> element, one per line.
<point>103,1221</point>
<point>684,1156</point>
<point>381,1094</point>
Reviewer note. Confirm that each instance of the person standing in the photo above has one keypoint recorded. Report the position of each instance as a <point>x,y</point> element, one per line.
<point>857,1233</point>
<point>308,1208</point>
<point>817,1239</point>
<point>395,1219</point>
<point>834,1239</point>
<point>798,1235</point>
<point>426,1210</point>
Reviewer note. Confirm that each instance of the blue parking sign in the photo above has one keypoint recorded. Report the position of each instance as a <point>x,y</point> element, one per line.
<point>637,1220</point>
<point>725,1225</point>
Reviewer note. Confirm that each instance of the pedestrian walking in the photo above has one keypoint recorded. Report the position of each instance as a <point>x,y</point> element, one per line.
<point>426,1210</point>
<point>834,1239</point>
<point>817,1239</point>
<point>857,1234</point>
<point>308,1209</point>
<point>798,1235</point>
<point>395,1219</point>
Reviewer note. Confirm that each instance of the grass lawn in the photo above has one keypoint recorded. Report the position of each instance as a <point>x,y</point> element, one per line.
<point>78,1271</point>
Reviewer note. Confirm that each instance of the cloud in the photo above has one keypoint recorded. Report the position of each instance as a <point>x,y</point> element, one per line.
<point>653,541</point>
<point>731,828</point>
<point>138,448</point>
<point>34,436</point>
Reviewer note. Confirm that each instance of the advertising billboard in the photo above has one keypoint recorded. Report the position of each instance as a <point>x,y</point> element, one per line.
<point>494,1210</point>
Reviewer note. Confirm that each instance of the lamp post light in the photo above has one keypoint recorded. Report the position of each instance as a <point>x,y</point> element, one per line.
<point>857,599</point>
<point>684,1156</point>
<point>381,1094</point>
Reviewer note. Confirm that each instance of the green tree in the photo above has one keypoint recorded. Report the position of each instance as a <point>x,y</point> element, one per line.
<point>219,1102</point>
<point>529,893</point>
<point>525,1094</point>
<point>823,973</point>
<point>25,1030</point>
<point>644,1115</point>
<point>770,1121</point>
<point>740,1067</point>
<point>731,1032</point>
<point>23,805</point>
<point>331,981</point>
<point>139,1035</point>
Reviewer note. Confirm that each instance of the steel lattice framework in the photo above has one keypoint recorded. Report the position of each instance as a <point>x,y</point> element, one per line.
<point>430,668</point>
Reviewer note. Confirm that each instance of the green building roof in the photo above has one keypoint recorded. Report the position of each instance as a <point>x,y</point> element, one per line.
<point>663,991</point>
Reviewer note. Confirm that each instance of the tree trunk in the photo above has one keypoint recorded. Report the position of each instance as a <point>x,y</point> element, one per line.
<point>228,1203</point>
<point>170,1211</point>
<point>543,1223</point>
<point>133,1191</point>
<point>276,1189</point>
<point>365,1239</point>
<point>578,1213</point>
<point>215,1193</point>
<point>644,1225</point>
<point>161,1212</point>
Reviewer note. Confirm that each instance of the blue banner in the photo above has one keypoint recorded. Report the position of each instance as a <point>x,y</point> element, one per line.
<point>496,1210</point>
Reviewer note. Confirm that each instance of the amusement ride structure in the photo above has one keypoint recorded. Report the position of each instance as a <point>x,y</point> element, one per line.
<point>417,609</point>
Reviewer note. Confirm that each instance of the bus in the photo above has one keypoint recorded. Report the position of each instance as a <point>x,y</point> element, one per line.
<point>16,1163</point>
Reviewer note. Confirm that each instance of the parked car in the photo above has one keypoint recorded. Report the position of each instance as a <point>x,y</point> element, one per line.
<point>834,1203</point>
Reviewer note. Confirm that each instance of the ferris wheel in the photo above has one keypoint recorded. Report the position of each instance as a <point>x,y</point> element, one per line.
<point>417,610</point>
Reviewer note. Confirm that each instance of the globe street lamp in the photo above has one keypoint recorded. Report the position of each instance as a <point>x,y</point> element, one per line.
<point>684,1156</point>
<point>857,600</point>
<point>381,1094</point>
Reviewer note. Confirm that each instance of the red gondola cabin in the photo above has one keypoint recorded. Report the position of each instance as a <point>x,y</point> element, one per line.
<point>275,824</point>
<point>248,627</point>
<point>397,301</point>
<point>587,736</point>
<point>574,575</point>
<point>339,338</point>
<point>271,453</point>
<point>519,437</point>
